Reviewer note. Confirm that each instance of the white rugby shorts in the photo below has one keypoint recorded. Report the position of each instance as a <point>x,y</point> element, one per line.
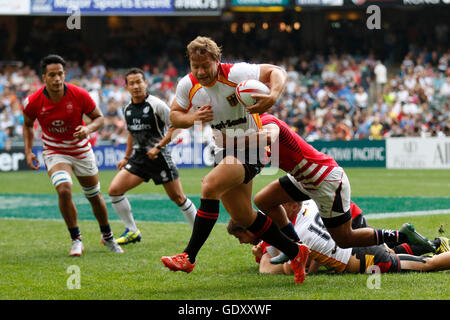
<point>86,167</point>
<point>332,196</point>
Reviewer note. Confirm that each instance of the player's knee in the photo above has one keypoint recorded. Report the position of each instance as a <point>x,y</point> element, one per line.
<point>343,239</point>
<point>258,200</point>
<point>210,189</point>
<point>179,199</point>
<point>64,190</point>
<point>114,191</point>
<point>344,244</point>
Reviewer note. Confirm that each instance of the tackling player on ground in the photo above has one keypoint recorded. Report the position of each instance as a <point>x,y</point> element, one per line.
<point>323,250</point>
<point>315,175</point>
<point>59,108</point>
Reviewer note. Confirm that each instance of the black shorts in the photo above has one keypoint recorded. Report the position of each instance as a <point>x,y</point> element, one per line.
<point>359,222</point>
<point>253,162</point>
<point>378,256</point>
<point>161,170</point>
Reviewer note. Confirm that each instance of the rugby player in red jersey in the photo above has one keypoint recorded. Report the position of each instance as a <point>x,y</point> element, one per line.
<point>59,108</point>
<point>315,175</point>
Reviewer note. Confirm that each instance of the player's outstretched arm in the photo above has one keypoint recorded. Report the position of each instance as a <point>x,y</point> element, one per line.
<point>436,263</point>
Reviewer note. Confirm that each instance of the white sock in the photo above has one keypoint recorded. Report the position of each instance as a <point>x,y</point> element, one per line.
<point>123,209</point>
<point>189,211</point>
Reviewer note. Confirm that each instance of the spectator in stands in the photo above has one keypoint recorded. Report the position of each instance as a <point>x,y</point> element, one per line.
<point>342,131</point>
<point>167,84</point>
<point>5,143</point>
<point>445,88</point>
<point>319,87</point>
<point>361,98</point>
<point>380,71</point>
<point>171,70</point>
<point>380,106</point>
<point>376,129</point>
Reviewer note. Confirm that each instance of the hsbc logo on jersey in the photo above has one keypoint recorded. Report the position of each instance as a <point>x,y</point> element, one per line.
<point>58,127</point>
<point>57,123</point>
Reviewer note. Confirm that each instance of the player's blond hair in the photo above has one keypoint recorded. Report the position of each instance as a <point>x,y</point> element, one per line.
<point>204,45</point>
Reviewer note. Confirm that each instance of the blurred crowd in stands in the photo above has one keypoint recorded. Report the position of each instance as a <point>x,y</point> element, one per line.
<point>327,97</point>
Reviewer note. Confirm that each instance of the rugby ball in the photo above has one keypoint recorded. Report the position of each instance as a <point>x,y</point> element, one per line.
<point>246,88</point>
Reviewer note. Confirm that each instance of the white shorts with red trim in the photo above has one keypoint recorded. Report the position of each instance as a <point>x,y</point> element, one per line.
<point>332,195</point>
<point>86,167</point>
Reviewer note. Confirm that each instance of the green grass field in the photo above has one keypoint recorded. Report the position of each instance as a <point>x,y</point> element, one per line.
<point>34,257</point>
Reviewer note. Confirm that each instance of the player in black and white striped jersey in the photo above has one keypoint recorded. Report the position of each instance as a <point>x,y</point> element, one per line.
<point>147,119</point>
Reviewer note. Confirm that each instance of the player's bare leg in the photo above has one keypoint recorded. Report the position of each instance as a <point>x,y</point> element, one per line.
<point>226,175</point>
<point>60,174</point>
<point>220,179</point>
<point>64,191</point>
<point>347,237</point>
<point>269,201</point>
<point>237,202</point>
<point>91,189</point>
<point>175,192</point>
<point>123,182</point>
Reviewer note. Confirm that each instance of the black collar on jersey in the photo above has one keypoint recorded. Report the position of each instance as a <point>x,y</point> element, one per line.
<point>143,102</point>
<point>48,96</point>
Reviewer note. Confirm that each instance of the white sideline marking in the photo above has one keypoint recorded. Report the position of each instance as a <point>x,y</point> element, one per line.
<point>404,214</point>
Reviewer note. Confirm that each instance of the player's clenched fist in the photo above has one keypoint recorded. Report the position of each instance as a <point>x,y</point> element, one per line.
<point>204,114</point>
<point>81,132</point>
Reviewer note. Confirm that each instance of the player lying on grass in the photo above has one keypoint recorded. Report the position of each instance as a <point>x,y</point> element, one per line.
<point>359,221</point>
<point>323,250</point>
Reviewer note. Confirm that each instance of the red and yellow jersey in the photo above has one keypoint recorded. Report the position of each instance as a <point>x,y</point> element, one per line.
<point>59,120</point>
<point>230,116</point>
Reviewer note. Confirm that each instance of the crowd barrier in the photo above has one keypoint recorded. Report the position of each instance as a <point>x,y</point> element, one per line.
<point>393,153</point>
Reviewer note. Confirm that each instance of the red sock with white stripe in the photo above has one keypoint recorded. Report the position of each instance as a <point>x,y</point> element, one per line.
<point>206,218</point>
<point>264,229</point>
